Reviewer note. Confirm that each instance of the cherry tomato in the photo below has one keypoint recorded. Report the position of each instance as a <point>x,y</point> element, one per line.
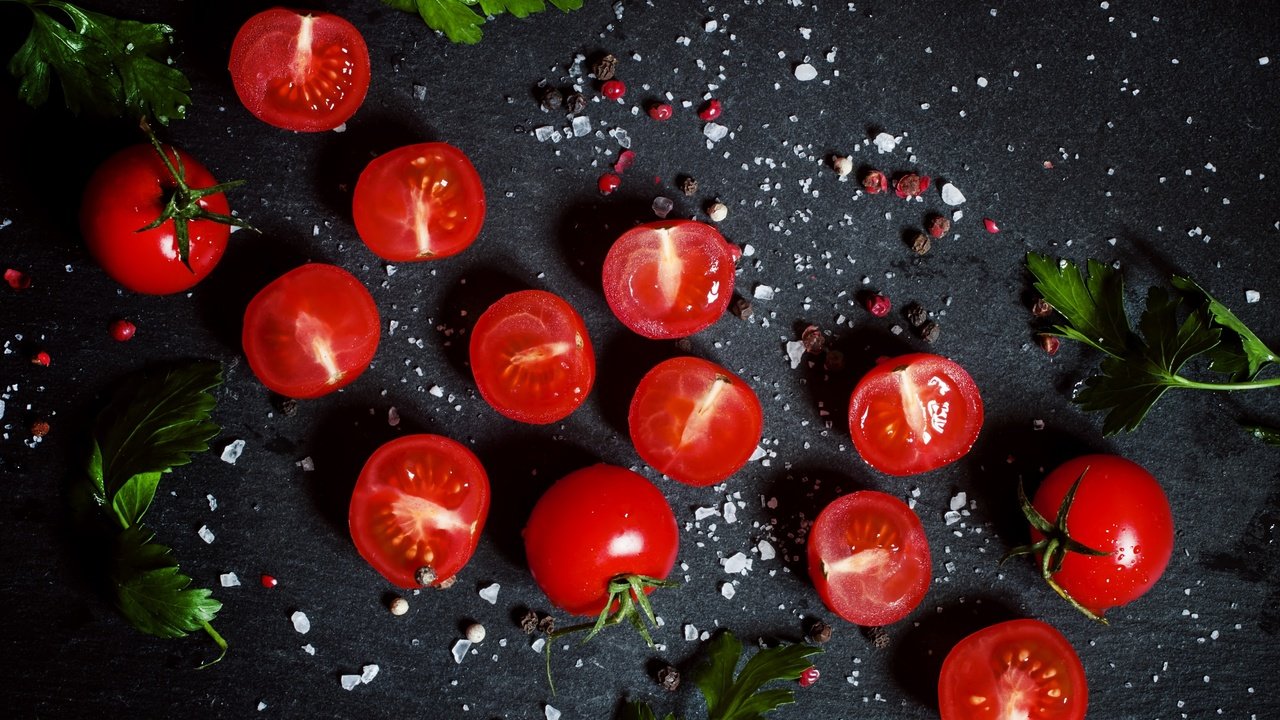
<point>669,279</point>
<point>300,70</point>
<point>1018,669</point>
<point>128,192</point>
<point>869,558</point>
<point>311,331</point>
<point>532,358</point>
<point>1119,509</point>
<point>914,413</point>
<point>593,525</point>
<point>695,421</point>
<point>418,509</point>
<point>419,202</point>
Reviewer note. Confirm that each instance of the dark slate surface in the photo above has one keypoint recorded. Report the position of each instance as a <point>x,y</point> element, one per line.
<point>1161,127</point>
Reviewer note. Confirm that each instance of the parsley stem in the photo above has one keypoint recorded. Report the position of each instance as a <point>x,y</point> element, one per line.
<point>217,640</point>
<point>1180,381</point>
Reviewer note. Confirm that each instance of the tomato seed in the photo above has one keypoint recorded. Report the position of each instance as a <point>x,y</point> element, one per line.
<point>608,182</point>
<point>710,110</point>
<point>123,330</point>
<point>878,305</point>
<point>809,676</point>
<point>614,89</point>
<point>269,582</point>
<point>661,111</point>
<point>41,358</point>
<point>17,279</point>
<point>990,225</point>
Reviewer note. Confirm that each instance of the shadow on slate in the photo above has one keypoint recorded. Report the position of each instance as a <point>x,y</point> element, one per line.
<point>588,228</point>
<point>861,347</point>
<point>485,285</point>
<point>794,495</point>
<point>343,156</point>
<point>621,363</point>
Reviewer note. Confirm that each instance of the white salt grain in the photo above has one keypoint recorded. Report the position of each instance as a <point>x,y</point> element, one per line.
<point>213,502</point>
<point>766,550</point>
<point>229,580</point>
<point>951,195</point>
<point>300,622</point>
<point>959,501</point>
<point>884,142</point>
<point>703,513</point>
<point>763,292</point>
<point>460,649</point>
<point>715,132</point>
<point>307,464</point>
<point>690,633</point>
<point>727,590</point>
<point>232,451</point>
<point>205,534</point>
<point>349,681</point>
<point>1252,296</point>
<point>368,673</point>
<point>581,126</point>
<point>1264,61</point>
<point>795,352</point>
<point>806,72</point>
<point>730,512</point>
<point>982,82</point>
<point>309,649</point>
<point>489,593</point>
<point>736,563</point>
<point>551,713</point>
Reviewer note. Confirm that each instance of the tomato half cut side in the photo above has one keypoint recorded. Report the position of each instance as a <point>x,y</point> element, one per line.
<point>419,202</point>
<point>311,331</point>
<point>695,421</point>
<point>532,358</point>
<point>914,413</point>
<point>300,70</point>
<point>669,279</point>
<point>418,509</point>
<point>869,558</point>
<point>1021,669</point>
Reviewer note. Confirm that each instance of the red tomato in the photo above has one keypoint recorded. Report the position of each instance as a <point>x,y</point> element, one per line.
<point>532,358</point>
<point>311,331</point>
<point>1120,509</point>
<point>914,413</point>
<point>127,193</point>
<point>1021,669</point>
<point>669,279</point>
<point>419,202</point>
<point>593,525</point>
<point>418,509</point>
<point>695,421</point>
<point>300,70</point>
<point>869,558</point>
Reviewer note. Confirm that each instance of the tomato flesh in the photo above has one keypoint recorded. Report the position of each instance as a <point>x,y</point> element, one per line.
<point>869,558</point>
<point>914,413</point>
<point>669,279</point>
<point>311,331</point>
<point>419,202</point>
<point>127,193</point>
<point>532,358</point>
<point>593,525</point>
<point>1016,670</point>
<point>306,71</point>
<point>420,502</point>
<point>695,421</point>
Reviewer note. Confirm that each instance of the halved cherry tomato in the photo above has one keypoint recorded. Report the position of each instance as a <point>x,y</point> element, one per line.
<point>1021,669</point>
<point>300,70</point>
<point>869,558</point>
<point>669,279</point>
<point>311,331</point>
<point>532,358</point>
<point>594,525</point>
<point>914,413</point>
<point>695,421</point>
<point>419,202</point>
<point>418,509</point>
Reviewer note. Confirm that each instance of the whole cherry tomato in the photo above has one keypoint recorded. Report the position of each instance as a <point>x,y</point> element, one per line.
<point>1018,669</point>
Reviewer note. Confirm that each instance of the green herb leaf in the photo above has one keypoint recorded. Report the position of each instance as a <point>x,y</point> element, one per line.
<point>1093,306</point>
<point>96,477</point>
<point>459,20</point>
<point>105,66</point>
<point>133,498</point>
<point>742,697</point>
<point>152,593</point>
<point>1268,435</point>
<point>1242,354</point>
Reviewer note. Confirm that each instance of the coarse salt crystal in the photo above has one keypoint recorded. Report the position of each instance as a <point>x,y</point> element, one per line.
<point>1252,296</point>
<point>758,453</point>
<point>581,126</point>
<point>460,649</point>
<point>951,195</point>
<point>885,143</point>
<point>229,580</point>
<point>349,682</point>
<point>435,391</point>
<point>232,451</point>
<point>551,713</point>
<point>309,649</point>
<point>307,464</point>
<point>795,352</point>
<point>213,502</point>
<point>727,590</point>
<point>703,513</point>
<point>690,633</point>
<point>710,25</point>
<point>490,593</point>
<point>766,550</point>
<point>368,673</point>
<point>736,563</point>
<point>806,72</point>
<point>1264,60</point>
<point>715,132</point>
<point>763,292</point>
<point>959,501</point>
<point>205,534</point>
<point>300,622</point>
<point>982,82</point>
<point>730,512</point>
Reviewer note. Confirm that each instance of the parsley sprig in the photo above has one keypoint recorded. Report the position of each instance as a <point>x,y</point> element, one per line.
<point>151,427</point>
<point>460,20</point>
<point>1141,366</point>
<point>740,695</point>
<point>105,66</point>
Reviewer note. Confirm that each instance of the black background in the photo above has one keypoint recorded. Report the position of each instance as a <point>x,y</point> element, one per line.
<point>1093,89</point>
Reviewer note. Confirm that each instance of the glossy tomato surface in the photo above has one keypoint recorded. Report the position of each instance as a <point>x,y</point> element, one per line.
<point>311,331</point>
<point>695,421</point>
<point>127,193</point>
<point>669,279</point>
<point>532,358</point>
<point>1119,508</point>
<point>593,525</point>
<point>300,70</point>
<point>1021,669</point>
<point>869,558</point>
<point>914,413</point>
<point>419,202</point>
<point>420,502</point>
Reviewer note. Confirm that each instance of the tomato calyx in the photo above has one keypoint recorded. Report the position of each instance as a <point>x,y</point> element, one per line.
<point>1056,544</point>
<point>183,204</point>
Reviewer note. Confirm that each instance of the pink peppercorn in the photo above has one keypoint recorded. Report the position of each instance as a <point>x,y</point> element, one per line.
<point>911,185</point>
<point>878,305</point>
<point>41,358</point>
<point>17,279</point>
<point>614,89</point>
<point>710,110</point>
<point>661,111</point>
<point>123,330</point>
<point>809,676</point>
<point>990,225</point>
<point>874,182</point>
<point>269,582</point>
<point>625,158</point>
<point>608,182</point>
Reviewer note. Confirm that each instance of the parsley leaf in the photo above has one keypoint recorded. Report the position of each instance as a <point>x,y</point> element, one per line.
<point>742,697</point>
<point>1242,355</point>
<point>1093,307</point>
<point>460,21</point>
<point>150,590</point>
<point>1268,435</point>
<point>104,65</point>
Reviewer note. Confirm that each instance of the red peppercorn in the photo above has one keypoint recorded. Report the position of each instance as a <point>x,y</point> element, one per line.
<point>17,279</point>
<point>1048,343</point>
<point>938,226</point>
<point>911,185</point>
<point>809,676</point>
<point>123,330</point>
<point>710,110</point>
<point>41,358</point>
<point>878,305</point>
<point>608,183</point>
<point>661,111</point>
<point>269,582</point>
<point>990,225</point>
<point>625,158</point>
<point>874,182</point>
<point>614,89</point>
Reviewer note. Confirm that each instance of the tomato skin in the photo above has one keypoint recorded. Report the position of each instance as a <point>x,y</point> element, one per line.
<point>127,193</point>
<point>536,389</point>
<point>419,202</point>
<point>901,421</point>
<point>889,574</point>
<point>669,279</point>
<point>695,421</point>
<point>1119,508</point>
<point>429,483</point>
<point>593,525</point>
<point>300,70</point>
<point>986,675</point>
<point>311,331</point>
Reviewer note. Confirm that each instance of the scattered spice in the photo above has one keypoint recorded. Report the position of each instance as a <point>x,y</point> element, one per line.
<point>550,98</point>
<point>710,110</point>
<point>17,279</point>
<point>688,186</point>
<point>809,676</point>
<point>605,67</point>
<point>874,182</point>
<point>669,678</point>
<point>546,624</point>
<point>529,622</point>
<point>41,358</point>
<point>425,576</point>
<point>399,606</point>
<point>39,428</point>
<point>717,211</point>
<point>834,361</point>
<point>877,304</point>
<point>624,161</point>
<point>878,636</point>
<point>608,182</point>
<point>814,340</point>
<point>990,225</point>
<point>842,164</point>
<point>123,330</point>
<point>1048,343</point>
<point>920,243</point>
<point>916,315</point>
<point>741,307</point>
<point>287,405</point>
<point>818,632</point>
<point>575,102</point>
<point>475,633</point>
<point>269,582</point>
<point>930,331</point>
<point>937,225</point>
<point>614,89</point>
<point>661,111</point>
<point>1041,308</point>
<point>911,185</point>
<point>446,583</point>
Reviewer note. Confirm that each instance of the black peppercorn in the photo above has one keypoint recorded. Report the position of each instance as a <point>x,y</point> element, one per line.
<point>920,243</point>
<point>669,678</point>
<point>575,103</point>
<point>819,632</point>
<point>688,186</point>
<point>605,67</point>
<point>930,332</point>
<point>550,98</point>
<point>529,622</point>
<point>917,315</point>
